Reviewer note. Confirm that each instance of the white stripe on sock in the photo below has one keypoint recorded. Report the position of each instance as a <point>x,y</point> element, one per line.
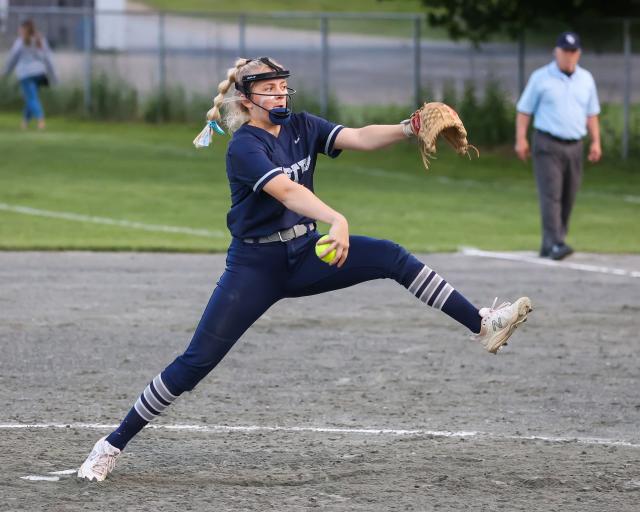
<point>426,294</point>
<point>143,411</point>
<point>419,280</point>
<point>443,296</point>
<point>165,394</point>
<point>152,400</point>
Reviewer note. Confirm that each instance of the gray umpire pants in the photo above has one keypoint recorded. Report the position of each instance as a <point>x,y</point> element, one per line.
<point>558,168</point>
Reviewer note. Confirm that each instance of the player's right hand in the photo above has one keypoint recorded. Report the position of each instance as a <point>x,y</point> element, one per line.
<point>339,238</point>
<point>522,149</point>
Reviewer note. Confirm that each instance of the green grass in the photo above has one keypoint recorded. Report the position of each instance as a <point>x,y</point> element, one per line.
<point>405,6</point>
<point>258,14</point>
<point>152,175</point>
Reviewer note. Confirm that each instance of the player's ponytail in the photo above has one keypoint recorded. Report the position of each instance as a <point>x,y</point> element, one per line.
<point>235,113</point>
<point>223,87</point>
<point>213,115</point>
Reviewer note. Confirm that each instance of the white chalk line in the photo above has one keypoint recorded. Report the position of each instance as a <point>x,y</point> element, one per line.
<point>45,478</point>
<point>41,478</point>
<point>26,210</point>
<point>330,430</point>
<point>53,476</point>
<point>65,472</point>
<point>470,251</point>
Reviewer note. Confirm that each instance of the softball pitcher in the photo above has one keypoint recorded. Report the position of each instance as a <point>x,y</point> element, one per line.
<point>270,164</point>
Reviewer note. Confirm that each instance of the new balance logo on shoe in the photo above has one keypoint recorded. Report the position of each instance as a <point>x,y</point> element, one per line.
<point>498,323</point>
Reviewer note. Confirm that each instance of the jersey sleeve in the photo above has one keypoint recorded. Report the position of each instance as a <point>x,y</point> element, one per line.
<point>252,166</point>
<point>326,133</point>
<point>528,102</point>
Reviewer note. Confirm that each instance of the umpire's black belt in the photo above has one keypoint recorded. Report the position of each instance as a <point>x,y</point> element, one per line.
<point>285,235</point>
<point>559,139</point>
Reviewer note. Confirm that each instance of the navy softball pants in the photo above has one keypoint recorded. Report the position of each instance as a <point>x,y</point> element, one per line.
<point>259,275</point>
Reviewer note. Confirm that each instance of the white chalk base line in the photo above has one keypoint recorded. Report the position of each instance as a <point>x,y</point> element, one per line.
<point>54,476</point>
<point>331,430</point>
<point>43,478</point>
<point>470,251</point>
<point>160,228</point>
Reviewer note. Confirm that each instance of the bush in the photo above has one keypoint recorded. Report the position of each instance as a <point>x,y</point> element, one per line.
<point>310,102</point>
<point>611,126</point>
<point>170,105</point>
<point>449,94</point>
<point>498,116</point>
<point>112,99</point>
<point>10,96</point>
<point>490,120</point>
<point>373,114</point>
<point>470,112</point>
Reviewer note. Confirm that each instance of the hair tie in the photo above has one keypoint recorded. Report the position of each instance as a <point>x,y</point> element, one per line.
<point>204,137</point>
<point>215,127</point>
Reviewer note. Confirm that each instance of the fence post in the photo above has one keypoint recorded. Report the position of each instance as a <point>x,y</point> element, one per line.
<point>417,72</point>
<point>521,57</point>
<point>87,36</point>
<point>242,35</point>
<point>324,54</point>
<point>627,88</point>
<point>162,69</point>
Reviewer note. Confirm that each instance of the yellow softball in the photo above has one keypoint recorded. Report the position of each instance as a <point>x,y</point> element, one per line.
<point>320,248</point>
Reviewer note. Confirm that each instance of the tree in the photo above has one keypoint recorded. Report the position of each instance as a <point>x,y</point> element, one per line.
<point>476,20</point>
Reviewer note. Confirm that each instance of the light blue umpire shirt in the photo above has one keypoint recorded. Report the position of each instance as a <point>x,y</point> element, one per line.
<point>559,103</point>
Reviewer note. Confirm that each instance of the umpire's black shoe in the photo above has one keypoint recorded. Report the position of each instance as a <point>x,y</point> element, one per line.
<point>560,252</point>
<point>545,252</point>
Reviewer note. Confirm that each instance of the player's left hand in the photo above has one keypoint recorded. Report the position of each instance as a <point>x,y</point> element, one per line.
<point>595,152</point>
<point>431,121</point>
<point>339,239</point>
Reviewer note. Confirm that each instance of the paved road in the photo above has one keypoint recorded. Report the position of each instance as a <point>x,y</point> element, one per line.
<point>364,69</point>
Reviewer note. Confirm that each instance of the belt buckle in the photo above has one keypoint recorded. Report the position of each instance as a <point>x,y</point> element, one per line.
<point>295,233</point>
<point>282,239</point>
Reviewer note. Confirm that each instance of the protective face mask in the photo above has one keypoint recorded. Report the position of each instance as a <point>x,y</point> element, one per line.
<point>280,115</point>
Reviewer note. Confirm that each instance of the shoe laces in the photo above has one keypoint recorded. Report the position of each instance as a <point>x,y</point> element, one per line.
<point>493,308</point>
<point>103,462</point>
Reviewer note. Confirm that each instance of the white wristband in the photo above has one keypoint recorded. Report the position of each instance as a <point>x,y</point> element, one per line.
<point>406,128</point>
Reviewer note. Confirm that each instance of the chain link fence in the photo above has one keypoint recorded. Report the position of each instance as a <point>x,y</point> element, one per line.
<point>352,59</point>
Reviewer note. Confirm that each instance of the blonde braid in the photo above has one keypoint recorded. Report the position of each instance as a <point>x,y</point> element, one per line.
<point>235,114</point>
<point>223,87</point>
<point>203,139</point>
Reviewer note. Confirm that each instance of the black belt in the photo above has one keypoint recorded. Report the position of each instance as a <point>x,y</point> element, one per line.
<point>285,235</point>
<point>559,139</point>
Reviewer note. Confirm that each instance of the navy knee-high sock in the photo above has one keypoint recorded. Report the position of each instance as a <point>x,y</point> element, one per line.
<point>155,398</point>
<point>434,291</point>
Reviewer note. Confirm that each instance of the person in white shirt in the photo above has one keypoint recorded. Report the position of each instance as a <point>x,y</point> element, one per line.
<point>30,56</point>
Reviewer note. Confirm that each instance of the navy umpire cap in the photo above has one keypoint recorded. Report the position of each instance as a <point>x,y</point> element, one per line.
<point>569,41</point>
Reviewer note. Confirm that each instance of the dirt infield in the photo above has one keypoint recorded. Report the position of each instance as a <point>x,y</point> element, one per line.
<point>551,423</point>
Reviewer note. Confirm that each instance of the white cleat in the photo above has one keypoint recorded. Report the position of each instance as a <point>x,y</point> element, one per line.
<point>100,461</point>
<point>498,323</point>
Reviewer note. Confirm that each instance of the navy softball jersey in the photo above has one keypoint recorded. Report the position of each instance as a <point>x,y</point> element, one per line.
<point>255,157</point>
<point>257,275</point>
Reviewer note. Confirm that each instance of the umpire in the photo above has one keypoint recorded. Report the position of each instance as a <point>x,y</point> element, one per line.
<point>563,99</point>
